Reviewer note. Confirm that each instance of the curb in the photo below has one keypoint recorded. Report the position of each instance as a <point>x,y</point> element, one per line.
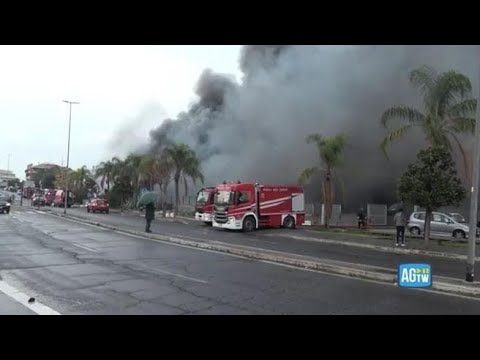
<point>350,270</point>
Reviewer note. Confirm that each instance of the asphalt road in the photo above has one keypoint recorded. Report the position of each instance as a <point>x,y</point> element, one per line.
<point>73,268</point>
<point>275,239</point>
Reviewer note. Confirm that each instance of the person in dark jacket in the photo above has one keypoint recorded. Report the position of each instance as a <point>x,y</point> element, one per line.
<point>400,222</point>
<point>149,216</point>
<point>361,219</point>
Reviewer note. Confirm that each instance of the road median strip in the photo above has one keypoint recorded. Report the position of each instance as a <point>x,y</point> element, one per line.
<point>385,275</point>
<point>382,248</point>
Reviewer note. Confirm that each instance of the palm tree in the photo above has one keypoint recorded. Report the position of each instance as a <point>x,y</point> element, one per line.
<point>330,151</point>
<point>83,175</point>
<point>185,164</point>
<point>146,170</point>
<point>105,170</point>
<point>447,111</point>
<point>132,165</point>
<point>162,169</point>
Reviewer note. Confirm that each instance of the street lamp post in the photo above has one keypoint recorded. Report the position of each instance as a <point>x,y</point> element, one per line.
<point>474,197</point>
<point>68,152</point>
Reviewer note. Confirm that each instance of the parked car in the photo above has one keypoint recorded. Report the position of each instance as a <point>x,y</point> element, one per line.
<point>458,217</point>
<point>38,200</point>
<point>98,205</point>
<point>4,205</point>
<point>439,224</point>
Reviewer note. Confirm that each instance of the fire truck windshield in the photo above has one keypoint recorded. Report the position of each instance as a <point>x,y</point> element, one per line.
<point>224,198</point>
<point>202,197</point>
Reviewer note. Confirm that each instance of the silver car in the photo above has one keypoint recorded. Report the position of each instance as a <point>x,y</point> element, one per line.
<point>439,224</point>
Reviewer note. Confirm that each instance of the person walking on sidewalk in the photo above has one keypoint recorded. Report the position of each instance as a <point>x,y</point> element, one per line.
<point>400,222</point>
<point>149,216</point>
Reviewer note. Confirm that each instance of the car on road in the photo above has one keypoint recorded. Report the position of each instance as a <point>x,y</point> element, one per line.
<point>98,205</point>
<point>4,205</point>
<point>8,196</point>
<point>39,200</point>
<point>439,224</point>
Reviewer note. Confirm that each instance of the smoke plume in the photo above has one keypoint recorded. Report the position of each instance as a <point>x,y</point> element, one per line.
<point>256,130</point>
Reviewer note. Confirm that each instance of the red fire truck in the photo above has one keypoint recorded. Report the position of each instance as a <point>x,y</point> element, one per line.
<point>250,206</point>
<point>204,205</point>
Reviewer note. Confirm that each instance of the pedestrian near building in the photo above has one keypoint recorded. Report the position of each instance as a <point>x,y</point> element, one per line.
<point>400,222</point>
<point>361,219</point>
<point>149,216</point>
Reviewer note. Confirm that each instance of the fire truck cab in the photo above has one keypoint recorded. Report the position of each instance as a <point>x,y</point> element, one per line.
<point>204,205</point>
<point>248,206</point>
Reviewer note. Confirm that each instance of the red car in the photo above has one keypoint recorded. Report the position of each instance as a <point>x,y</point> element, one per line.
<point>98,205</point>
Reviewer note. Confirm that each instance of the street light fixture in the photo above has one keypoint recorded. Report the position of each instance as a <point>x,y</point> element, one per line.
<point>68,152</point>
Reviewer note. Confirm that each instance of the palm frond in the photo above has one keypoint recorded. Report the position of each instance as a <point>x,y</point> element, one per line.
<point>450,87</point>
<point>331,150</point>
<point>314,138</point>
<point>402,112</point>
<point>423,79</point>
<point>392,136</point>
<point>462,125</point>
<point>463,108</point>
<point>306,175</point>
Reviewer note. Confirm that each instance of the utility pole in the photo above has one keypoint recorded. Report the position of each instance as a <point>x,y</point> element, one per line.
<point>68,153</point>
<point>474,196</point>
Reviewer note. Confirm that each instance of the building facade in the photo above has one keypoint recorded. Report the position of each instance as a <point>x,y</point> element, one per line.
<point>5,176</point>
<point>31,169</point>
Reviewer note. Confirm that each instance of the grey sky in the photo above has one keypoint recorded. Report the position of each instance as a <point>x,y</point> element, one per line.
<point>114,84</point>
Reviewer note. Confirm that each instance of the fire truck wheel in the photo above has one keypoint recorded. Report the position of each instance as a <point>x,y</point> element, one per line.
<point>249,224</point>
<point>289,223</point>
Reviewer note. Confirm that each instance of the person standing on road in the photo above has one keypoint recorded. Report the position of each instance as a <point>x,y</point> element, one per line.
<point>149,216</point>
<point>400,222</point>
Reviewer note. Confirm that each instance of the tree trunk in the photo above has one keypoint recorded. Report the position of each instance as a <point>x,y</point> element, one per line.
<point>186,185</point>
<point>327,191</point>
<point>177,192</point>
<point>426,230</point>
<point>163,189</point>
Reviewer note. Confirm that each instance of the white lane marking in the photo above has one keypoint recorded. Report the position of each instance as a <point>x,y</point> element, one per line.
<point>81,223</point>
<point>85,248</point>
<point>182,276</point>
<point>17,218</point>
<point>22,298</point>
